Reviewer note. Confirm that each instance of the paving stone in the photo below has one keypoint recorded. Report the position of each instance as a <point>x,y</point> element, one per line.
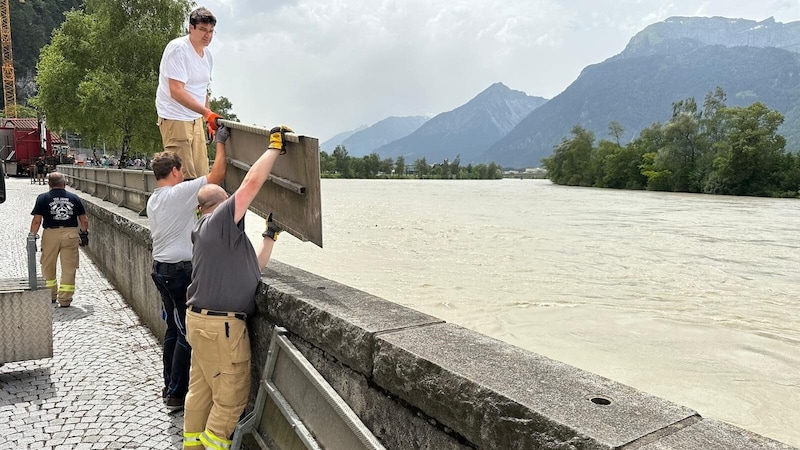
<point>103,383</point>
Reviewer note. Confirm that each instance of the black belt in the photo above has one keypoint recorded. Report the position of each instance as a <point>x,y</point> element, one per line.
<point>209,312</point>
<point>180,266</point>
<point>62,226</point>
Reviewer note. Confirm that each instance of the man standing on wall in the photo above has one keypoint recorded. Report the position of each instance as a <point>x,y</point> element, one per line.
<point>171,212</point>
<point>182,96</point>
<point>227,270</point>
<point>66,227</point>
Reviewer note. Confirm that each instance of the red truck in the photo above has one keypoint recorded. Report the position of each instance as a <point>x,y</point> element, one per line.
<point>21,144</point>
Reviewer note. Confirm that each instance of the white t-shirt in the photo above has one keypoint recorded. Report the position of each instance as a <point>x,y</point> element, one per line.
<point>180,62</point>
<point>171,213</point>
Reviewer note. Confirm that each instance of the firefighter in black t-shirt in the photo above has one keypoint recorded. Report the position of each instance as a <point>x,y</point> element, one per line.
<point>66,227</point>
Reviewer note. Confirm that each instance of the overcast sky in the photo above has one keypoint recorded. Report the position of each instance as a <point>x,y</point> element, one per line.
<point>328,66</point>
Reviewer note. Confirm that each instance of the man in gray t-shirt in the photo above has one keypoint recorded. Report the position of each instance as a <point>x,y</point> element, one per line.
<point>225,276</point>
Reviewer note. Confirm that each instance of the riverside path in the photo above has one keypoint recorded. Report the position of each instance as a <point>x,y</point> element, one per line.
<point>102,387</point>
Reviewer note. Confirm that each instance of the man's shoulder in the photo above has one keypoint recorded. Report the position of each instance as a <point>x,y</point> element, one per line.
<point>177,44</point>
<point>190,187</point>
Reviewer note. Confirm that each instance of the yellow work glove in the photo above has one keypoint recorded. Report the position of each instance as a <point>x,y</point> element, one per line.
<point>273,230</point>
<point>276,138</point>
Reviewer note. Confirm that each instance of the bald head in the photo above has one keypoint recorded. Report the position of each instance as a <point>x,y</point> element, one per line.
<point>209,196</point>
<point>56,180</point>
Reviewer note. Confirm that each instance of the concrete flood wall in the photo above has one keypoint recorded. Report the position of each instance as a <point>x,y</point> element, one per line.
<point>420,383</point>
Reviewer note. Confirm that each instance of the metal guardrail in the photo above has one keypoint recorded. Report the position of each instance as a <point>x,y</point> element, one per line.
<point>127,188</point>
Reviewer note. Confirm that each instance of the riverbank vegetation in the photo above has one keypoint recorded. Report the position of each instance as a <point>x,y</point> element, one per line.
<point>341,165</point>
<point>716,150</point>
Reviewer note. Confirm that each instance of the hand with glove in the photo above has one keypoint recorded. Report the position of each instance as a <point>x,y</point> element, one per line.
<point>84,235</point>
<point>223,133</point>
<point>212,118</point>
<point>273,230</point>
<point>277,139</point>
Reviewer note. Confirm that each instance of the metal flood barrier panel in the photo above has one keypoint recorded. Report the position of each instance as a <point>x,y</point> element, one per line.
<point>291,193</point>
<point>297,409</point>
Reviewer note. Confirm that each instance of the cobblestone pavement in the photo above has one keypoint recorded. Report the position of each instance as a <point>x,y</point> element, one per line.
<point>102,387</point>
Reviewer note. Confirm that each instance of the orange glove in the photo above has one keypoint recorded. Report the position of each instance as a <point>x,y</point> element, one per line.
<point>212,118</point>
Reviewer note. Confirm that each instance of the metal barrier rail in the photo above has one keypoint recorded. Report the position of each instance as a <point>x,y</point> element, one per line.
<point>127,188</point>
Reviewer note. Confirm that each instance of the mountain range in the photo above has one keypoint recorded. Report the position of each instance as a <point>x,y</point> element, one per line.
<point>668,61</point>
<point>365,141</point>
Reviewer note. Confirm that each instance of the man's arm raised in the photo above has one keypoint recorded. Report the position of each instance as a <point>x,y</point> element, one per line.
<point>217,174</point>
<point>259,172</point>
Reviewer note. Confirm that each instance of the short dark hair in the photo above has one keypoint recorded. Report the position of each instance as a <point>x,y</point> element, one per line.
<point>164,162</point>
<point>202,15</point>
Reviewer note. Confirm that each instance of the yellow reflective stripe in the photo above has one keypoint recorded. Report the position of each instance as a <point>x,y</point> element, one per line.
<point>214,442</point>
<point>67,288</point>
<point>50,283</point>
<point>191,440</point>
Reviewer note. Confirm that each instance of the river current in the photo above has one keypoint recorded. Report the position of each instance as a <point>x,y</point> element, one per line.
<point>692,298</point>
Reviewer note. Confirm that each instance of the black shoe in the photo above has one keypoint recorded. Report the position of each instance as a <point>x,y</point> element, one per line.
<point>164,395</point>
<point>174,403</point>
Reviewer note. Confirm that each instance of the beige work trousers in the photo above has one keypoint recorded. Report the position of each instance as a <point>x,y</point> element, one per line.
<point>188,140</point>
<point>219,379</point>
<point>60,243</point>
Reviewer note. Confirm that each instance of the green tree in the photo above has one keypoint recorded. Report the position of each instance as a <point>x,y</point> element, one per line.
<point>650,140</point>
<point>327,163</point>
<point>749,163</point>
<point>789,176</point>
<point>713,125</point>
<point>98,76</point>
<point>342,162</point>
<point>480,172</point>
<point>400,166</point>
<point>223,107</point>
<point>598,163</point>
<point>616,130</point>
<point>683,146</point>
<point>357,169</point>
<point>421,167</point>
<point>455,167</point>
<point>494,171</point>
<point>569,163</point>
<point>714,115</point>
<point>386,167</point>
<point>370,167</point>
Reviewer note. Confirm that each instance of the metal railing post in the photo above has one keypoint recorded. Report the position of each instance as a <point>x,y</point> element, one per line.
<point>32,279</point>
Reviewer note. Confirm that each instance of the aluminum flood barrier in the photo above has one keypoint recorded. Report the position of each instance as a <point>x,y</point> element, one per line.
<point>291,193</point>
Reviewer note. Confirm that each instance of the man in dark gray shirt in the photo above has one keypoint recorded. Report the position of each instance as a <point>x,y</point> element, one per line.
<point>226,273</point>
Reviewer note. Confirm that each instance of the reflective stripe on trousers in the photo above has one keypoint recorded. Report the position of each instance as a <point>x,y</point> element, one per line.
<point>219,378</point>
<point>214,442</point>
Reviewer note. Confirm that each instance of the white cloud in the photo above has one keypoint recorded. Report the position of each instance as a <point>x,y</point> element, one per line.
<point>326,66</point>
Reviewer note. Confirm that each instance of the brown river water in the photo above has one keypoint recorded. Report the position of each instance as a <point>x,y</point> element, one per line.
<point>692,298</point>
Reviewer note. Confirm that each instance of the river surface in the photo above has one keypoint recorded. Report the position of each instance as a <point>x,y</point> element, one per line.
<point>692,298</point>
